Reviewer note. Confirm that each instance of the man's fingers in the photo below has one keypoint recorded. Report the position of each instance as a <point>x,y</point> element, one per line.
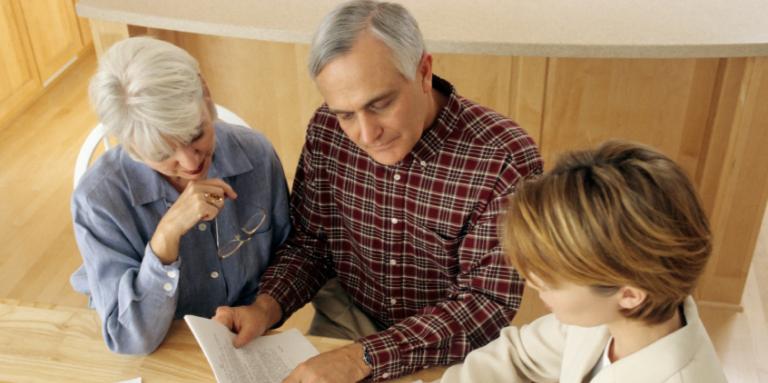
<point>224,316</point>
<point>245,335</point>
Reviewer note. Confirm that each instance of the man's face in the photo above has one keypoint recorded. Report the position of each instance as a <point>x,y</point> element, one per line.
<point>380,110</point>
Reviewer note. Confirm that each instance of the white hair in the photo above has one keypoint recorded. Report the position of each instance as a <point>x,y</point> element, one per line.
<point>148,93</point>
<point>389,22</point>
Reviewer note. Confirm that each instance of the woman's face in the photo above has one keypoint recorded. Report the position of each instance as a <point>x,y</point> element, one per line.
<point>189,162</point>
<point>577,304</point>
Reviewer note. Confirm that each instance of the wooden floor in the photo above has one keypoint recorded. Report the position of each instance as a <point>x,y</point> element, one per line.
<point>38,251</point>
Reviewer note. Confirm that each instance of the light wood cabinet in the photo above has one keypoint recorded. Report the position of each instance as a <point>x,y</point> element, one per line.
<point>39,39</point>
<point>54,32</point>
<point>19,81</point>
<point>86,38</point>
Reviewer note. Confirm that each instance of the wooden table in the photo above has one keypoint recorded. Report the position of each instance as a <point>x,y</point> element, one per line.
<point>45,343</point>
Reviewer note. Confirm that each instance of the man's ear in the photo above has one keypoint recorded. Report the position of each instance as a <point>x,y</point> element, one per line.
<point>631,297</point>
<point>425,72</point>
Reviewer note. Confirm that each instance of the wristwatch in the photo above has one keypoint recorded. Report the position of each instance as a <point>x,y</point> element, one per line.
<point>367,358</point>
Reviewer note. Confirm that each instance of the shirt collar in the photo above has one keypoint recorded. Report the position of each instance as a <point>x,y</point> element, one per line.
<point>147,185</point>
<point>433,138</point>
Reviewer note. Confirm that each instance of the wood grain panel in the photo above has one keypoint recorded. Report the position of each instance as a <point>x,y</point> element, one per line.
<point>19,82</point>
<point>741,190</point>
<point>53,343</point>
<point>106,33</point>
<point>485,80</point>
<point>662,103</point>
<point>529,75</point>
<point>86,37</point>
<point>55,35</point>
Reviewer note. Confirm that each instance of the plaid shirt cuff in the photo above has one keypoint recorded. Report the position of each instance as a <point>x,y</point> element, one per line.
<point>285,294</point>
<point>388,360</point>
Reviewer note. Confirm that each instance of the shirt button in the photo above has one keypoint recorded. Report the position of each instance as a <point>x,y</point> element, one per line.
<point>423,164</point>
<point>385,375</point>
<point>214,274</point>
<point>395,221</point>
<point>397,177</point>
<point>393,301</point>
<point>392,262</point>
<point>202,227</point>
<point>167,287</point>
<point>172,274</point>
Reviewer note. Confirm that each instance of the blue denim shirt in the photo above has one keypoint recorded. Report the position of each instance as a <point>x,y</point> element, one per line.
<point>116,208</point>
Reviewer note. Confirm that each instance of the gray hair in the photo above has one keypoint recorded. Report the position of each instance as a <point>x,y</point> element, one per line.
<point>146,93</point>
<point>389,22</point>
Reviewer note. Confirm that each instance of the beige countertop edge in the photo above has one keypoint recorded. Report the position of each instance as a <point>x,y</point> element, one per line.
<point>436,46</point>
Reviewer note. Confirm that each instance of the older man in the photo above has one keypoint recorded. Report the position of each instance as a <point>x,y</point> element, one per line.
<point>395,201</point>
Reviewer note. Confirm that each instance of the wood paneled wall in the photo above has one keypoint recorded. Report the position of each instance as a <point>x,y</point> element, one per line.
<point>707,114</point>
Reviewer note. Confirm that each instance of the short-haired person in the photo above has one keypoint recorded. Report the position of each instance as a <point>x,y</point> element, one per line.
<point>614,240</point>
<point>396,196</point>
<point>184,215</point>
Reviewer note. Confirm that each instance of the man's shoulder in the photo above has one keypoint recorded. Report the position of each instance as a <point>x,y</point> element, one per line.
<point>323,121</point>
<point>324,134</point>
<point>489,129</point>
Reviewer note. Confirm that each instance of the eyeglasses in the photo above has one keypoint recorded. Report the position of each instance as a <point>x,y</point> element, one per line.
<point>246,233</point>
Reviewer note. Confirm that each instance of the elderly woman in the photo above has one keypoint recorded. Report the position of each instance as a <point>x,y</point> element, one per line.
<point>184,215</point>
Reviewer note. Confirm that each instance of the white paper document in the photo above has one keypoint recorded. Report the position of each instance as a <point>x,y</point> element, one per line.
<point>266,359</point>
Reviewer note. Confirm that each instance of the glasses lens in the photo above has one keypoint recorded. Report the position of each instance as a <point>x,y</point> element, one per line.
<point>230,248</point>
<point>255,222</point>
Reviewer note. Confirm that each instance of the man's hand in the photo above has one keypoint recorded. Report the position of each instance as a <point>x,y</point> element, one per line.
<point>341,365</point>
<point>249,321</point>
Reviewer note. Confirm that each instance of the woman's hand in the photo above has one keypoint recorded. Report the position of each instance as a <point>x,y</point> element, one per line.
<point>200,201</point>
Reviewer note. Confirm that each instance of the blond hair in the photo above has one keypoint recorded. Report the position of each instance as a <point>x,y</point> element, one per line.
<point>620,215</point>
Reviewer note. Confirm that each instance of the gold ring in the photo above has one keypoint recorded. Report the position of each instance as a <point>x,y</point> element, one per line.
<point>213,197</point>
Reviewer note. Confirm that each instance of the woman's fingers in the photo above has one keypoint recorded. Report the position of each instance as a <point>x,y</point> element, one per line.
<point>209,208</point>
<point>203,200</point>
<point>214,199</point>
<point>224,189</point>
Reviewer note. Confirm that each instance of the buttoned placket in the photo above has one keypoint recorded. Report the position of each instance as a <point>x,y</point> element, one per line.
<point>398,179</point>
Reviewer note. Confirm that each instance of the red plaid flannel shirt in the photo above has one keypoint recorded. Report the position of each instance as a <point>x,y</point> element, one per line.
<point>414,244</point>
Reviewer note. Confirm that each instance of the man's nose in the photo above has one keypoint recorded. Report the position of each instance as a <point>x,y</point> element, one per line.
<point>370,130</point>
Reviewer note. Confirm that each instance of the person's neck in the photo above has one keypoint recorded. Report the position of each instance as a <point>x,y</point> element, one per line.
<point>630,336</point>
<point>178,183</point>
<point>436,103</point>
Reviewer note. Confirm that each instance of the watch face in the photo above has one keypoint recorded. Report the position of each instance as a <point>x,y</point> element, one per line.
<point>367,358</point>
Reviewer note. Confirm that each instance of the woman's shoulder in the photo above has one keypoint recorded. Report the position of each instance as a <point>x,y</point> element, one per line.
<point>109,181</point>
<point>104,171</point>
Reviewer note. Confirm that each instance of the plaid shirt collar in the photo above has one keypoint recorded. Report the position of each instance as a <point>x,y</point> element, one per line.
<point>435,135</point>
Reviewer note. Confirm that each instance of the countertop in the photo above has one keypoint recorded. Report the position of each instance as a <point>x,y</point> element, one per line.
<point>551,28</point>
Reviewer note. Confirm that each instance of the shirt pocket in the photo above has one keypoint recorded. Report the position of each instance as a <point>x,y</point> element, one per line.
<point>435,254</point>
